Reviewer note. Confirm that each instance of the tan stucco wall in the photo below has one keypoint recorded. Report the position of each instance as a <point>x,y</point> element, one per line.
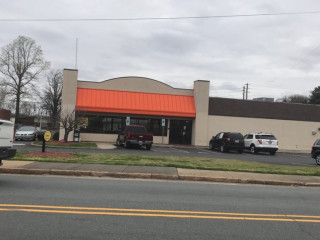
<point>111,138</point>
<point>292,135</point>
<point>135,84</point>
<point>95,137</point>
<point>69,97</point>
<point>201,101</point>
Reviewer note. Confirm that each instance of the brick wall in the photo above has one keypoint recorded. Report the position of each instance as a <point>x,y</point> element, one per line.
<point>5,114</point>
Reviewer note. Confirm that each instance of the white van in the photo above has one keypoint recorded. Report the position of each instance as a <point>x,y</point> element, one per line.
<point>6,140</point>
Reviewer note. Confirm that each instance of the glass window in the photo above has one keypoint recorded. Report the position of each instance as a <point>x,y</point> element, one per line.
<point>235,135</point>
<point>102,124</point>
<point>27,129</point>
<point>114,125</point>
<point>269,137</point>
<point>136,129</point>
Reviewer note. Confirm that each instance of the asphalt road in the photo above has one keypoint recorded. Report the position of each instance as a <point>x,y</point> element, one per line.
<point>40,207</point>
<point>280,158</point>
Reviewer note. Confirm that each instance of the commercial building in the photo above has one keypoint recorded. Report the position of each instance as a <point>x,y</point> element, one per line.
<point>190,116</point>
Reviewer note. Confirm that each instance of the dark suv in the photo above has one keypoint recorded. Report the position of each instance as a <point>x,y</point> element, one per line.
<point>315,152</point>
<point>225,141</point>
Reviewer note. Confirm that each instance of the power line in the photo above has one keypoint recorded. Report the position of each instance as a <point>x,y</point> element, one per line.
<point>153,18</point>
<point>301,60</point>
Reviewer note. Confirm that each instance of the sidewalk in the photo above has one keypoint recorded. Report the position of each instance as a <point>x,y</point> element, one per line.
<point>165,173</point>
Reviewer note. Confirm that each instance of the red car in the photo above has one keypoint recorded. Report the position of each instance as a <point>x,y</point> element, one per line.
<point>135,135</point>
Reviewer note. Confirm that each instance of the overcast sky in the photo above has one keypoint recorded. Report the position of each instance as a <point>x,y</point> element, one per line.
<point>276,55</point>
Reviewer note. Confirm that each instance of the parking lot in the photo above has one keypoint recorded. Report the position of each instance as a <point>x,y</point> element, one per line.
<point>281,158</point>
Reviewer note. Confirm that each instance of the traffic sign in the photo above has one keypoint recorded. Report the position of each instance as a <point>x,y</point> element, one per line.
<point>163,122</point>
<point>47,135</point>
<point>128,121</point>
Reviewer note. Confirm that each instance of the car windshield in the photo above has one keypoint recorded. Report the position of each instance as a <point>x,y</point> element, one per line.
<point>26,129</point>
<point>235,135</point>
<point>270,137</point>
<point>136,129</point>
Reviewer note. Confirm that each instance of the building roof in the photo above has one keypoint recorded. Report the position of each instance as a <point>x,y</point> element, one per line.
<point>124,102</point>
<point>268,110</point>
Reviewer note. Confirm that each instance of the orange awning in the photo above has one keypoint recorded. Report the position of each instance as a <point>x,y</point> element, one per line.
<point>111,101</point>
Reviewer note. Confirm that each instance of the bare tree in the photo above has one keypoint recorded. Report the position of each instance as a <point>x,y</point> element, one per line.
<point>69,121</point>
<point>21,63</point>
<point>51,98</point>
<point>29,108</point>
<point>3,96</point>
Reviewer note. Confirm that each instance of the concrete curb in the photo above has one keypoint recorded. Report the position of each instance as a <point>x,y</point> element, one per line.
<point>248,181</point>
<point>150,176</point>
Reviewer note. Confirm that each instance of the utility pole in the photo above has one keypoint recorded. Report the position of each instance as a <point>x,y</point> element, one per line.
<point>243,92</point>
<point>247,90</point>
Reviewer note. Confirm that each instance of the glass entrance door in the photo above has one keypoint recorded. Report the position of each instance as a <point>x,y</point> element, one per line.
<point>180,131</point>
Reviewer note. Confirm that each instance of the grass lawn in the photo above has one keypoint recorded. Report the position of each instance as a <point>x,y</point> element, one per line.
<point>174,161</point>
<point>68,144</point>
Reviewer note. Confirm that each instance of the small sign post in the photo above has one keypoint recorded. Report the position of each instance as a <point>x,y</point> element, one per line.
<point>46,137</point>
<point>127,121</point>
<point>163,123</point>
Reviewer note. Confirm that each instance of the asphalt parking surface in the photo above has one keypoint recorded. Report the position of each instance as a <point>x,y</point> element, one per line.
<point>293,159</point>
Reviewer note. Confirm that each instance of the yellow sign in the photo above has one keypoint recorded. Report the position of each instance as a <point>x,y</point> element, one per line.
<point>47,136</point>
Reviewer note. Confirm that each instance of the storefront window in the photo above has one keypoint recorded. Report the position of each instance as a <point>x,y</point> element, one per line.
<point>113,125</point>
<point>102,124</point>
<point>151,124</point>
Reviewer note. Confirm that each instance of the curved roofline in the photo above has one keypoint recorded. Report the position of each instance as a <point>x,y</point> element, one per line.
<point>111,79</point>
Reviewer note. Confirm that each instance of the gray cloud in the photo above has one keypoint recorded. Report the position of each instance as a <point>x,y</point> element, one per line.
<point>263,51</point>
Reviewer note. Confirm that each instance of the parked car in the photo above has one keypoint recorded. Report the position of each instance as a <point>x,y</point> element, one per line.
<point>261,142</point>
<point>135,135</point>
<point>225,141</point>
<point>315,152</point>
<point>6,140</point>
<point>26,133</point>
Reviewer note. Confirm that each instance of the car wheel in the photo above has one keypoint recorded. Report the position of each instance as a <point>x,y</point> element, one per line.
<point>272,153</point>
<point>253,149</point>
<point>148,147</point>
<point>126,144</point>
<point>118,142</point>
<point>211,146</point>
<point>240,151</point>
<point>318,159</point>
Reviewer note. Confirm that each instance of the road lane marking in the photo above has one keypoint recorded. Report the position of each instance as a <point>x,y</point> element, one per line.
<point>158,213</point>
<point>209,151</point>
<point>180,150</point>
<point>163,215</point>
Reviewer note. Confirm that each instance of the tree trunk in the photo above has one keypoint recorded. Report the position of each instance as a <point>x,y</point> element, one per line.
<point>66,134</point>
<point>17,114</point>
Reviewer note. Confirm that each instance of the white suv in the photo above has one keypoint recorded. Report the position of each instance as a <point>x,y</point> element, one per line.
<point>261,142</point>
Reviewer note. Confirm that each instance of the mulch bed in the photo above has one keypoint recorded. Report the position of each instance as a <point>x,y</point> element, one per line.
<point>50,154</point>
